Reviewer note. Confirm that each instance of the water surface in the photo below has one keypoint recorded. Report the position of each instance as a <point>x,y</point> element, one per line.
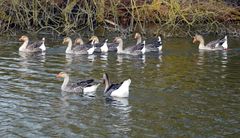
<point>182,92</point>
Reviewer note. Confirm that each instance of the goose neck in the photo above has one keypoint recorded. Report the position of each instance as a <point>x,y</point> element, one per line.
<point>23,47</point>
<point>69,47</point>
<point>65,82</point>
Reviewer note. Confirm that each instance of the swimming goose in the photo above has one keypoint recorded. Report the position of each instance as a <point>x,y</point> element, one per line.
<point>80,47</point>
<point>154,46</point>
<point>108,47</point>
<point>219,44</point>
<point>34,47</point>
<point>133,50</point>
<point>85,86</point>
<point>95,41</point>
<point>116,89</point>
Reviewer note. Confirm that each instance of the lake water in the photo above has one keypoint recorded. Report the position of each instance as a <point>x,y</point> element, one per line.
<point>182,92</point>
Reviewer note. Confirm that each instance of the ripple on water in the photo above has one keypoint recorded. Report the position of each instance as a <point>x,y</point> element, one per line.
<point>181,92</point>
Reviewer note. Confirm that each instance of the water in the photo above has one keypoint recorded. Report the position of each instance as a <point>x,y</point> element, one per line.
<point>180,93</point>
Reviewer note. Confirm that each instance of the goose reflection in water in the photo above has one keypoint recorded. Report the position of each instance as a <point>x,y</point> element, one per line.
<point>29,59</point>
<point>41,56</point>
<point>120,109</point>
<point>70,58</point>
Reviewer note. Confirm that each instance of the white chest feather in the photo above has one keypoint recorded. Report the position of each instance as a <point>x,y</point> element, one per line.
<point>160,48</point>
<point>225,45</point>
<point>91,50</point>
<point>104,48</point>
<point>23,47</point>
<point>143,50</point>
<point>123,90</point>
<point>43,47</point>
<point>92,88</point>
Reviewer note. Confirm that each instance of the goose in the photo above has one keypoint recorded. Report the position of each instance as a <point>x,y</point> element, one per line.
<point>220,44</point>
<point>133,50</point>
<point>38,46</point>
<point>95,41</point>
<point>80,47</point>
<point>108,47</point>
<point>120,90</point>
<point>153,46</point>
<point>85,86</point>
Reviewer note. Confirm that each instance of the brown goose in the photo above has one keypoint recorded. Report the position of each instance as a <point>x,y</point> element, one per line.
<point>85,86</point>
<point>34,47</point>
<point>219,44</point>
<point>156,45</point>
<point>80,47</point>
<point>132,50</point>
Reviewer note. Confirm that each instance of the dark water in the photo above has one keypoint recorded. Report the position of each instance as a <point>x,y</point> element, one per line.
<point>180,93</point>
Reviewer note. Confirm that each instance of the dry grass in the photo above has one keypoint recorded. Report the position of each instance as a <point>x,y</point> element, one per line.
<point>125,16</point>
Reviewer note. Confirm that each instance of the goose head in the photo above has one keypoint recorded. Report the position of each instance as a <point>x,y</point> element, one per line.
<point>117,40</point>
<point>23,38</point>
<point>61,75</point>
<point>94,39</point>
<point>198,38</point>
<point>137,36</point>
<point>78,41</point>
<point>67,40</point>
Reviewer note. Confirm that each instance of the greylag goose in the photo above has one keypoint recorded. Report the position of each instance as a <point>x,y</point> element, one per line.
<point>81,48</point>
<point>34,47</point>
<point>95,41</point>
<point>154,46</point>
<point>116,89</point>
<point>85,86</point>
<point>219,44</point>
<point>108,47</point>
<point>133,50</point>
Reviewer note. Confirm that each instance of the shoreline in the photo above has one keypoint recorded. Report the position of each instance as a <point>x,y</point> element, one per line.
<point>168,18</point>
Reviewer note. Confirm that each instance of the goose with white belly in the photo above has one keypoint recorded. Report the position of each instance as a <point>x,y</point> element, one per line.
<point>34,47</point>
<point>154,46</point>
<point>84,86</point>
<point>120,90</point>
<point>95,41</point>
<point>132,50</point>
<point>220,44</point>
<point>80,47</point>
<point>108,47</point>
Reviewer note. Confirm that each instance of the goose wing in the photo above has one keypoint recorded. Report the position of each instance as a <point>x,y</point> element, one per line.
<point>82,47</point>
<point>112,88</point>
<point>216,43</point>
<point>112,46</point>
<point>137,47</point>
<point>84,83</point>
<point>35,45</point>
<point>154,44</point>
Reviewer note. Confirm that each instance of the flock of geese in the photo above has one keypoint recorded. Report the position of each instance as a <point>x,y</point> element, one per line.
<point>111,89</point>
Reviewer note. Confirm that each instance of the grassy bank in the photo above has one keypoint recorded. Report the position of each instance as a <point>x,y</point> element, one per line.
<point>167,17</point>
